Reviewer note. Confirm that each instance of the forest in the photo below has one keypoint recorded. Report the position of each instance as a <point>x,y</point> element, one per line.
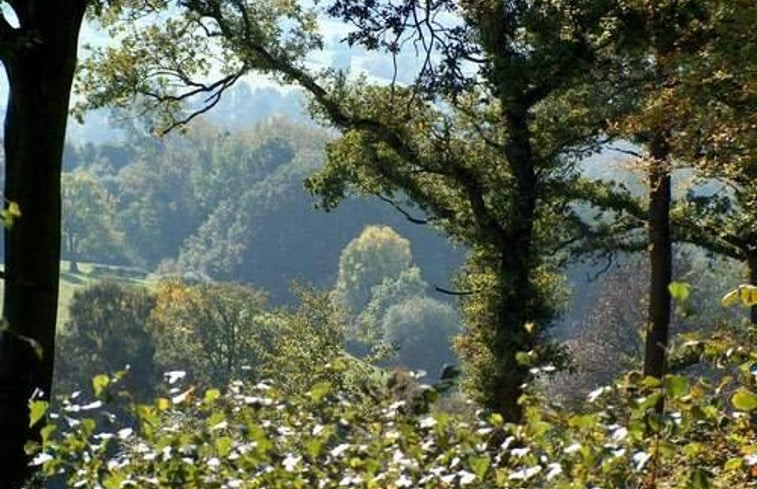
<point>378,244</point>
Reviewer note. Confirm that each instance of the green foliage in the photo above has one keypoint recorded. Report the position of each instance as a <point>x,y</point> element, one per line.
<point>88,225</point>
<point>390,316</point>
<point>155,59</point>
<point>216,332</point>
<point>107,331</point>
<point>255,435</point>
<point>378,254</point>
<point>421,330</point>
<point>487,154</point>
<point>679,291</point>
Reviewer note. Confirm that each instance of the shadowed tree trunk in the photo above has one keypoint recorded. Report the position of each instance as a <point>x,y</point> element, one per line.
<point>660,258</point>
<point>752,265</point>
<point>39,58</point>
<point>520,301</point>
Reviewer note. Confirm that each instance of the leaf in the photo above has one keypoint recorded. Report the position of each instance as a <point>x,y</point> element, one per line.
<point>162,403</point>
<point>319,390</point>
<point>583,421</point>
<point>314,447</point>
<point>496,420</point>
<point>746,294</point>
<point>223,445</point>
<point>651,382</point>
<point>10,214</point>
<point>13,209</point>
<point>699,480</point>
<point>649,401</point>
<point>211,395</point>
<point>524,358</point>
<point>479,465</point>
<point>744,400</point>
<point>99,383</point>
<point>734,464</point>
<point>37,410</point>
<point>680,291</point>
<point>676,386</point>
<point>46,432</point>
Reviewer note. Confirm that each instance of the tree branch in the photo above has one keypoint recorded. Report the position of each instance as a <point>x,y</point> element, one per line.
<point>402,211</point>
<point>455,292</point>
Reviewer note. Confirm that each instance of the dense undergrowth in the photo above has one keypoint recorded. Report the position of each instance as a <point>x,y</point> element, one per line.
<point>338,434</point>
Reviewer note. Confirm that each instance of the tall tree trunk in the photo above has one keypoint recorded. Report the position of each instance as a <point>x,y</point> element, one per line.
<point>752,264</point>
<point>660,258</point>
<point>40,72</point>
<point>520,301</point>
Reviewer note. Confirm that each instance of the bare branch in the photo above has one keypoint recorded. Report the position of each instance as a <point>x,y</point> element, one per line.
<point>455,292</point>
<point>402,211</point>
<point>629,152</point>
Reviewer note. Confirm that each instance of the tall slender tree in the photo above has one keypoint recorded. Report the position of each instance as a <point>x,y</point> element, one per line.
<point>38,51</point>
<point>693,108</point>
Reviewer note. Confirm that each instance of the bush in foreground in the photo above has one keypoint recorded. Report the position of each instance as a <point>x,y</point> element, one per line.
<point>252,436</point>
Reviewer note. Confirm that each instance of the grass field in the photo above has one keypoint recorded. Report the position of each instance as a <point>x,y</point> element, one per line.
<point>89,273</point>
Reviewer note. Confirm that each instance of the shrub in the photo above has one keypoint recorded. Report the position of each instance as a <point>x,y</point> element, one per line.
<point>254,436</point>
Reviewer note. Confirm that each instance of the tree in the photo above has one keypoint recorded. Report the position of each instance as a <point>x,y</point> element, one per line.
<point>38,53</point>
<point>422,329</point>
<point>379,253</point>
<point>108,329</point>
<point>88,222</point>
<point>367,327</point>
<point>214,332</point>
<point>682,114</point>
<point>490,169</point>
<point>158,206</point>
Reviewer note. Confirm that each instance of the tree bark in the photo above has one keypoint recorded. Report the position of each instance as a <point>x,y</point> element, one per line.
<point>660,258</point>
<point>520,302</point>
<point>40,72</point>
<point>752,264</point>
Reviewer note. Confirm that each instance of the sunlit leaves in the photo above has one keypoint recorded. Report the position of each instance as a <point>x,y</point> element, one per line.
<point>10,214</point>
<point>99,384</point>
<point>676,386</point>
<point>744,400</point>
<point>322,436</point>
<point>680,291</point>
<point>37,410</point>
<point>168,53</point>
<point>745,294</point>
